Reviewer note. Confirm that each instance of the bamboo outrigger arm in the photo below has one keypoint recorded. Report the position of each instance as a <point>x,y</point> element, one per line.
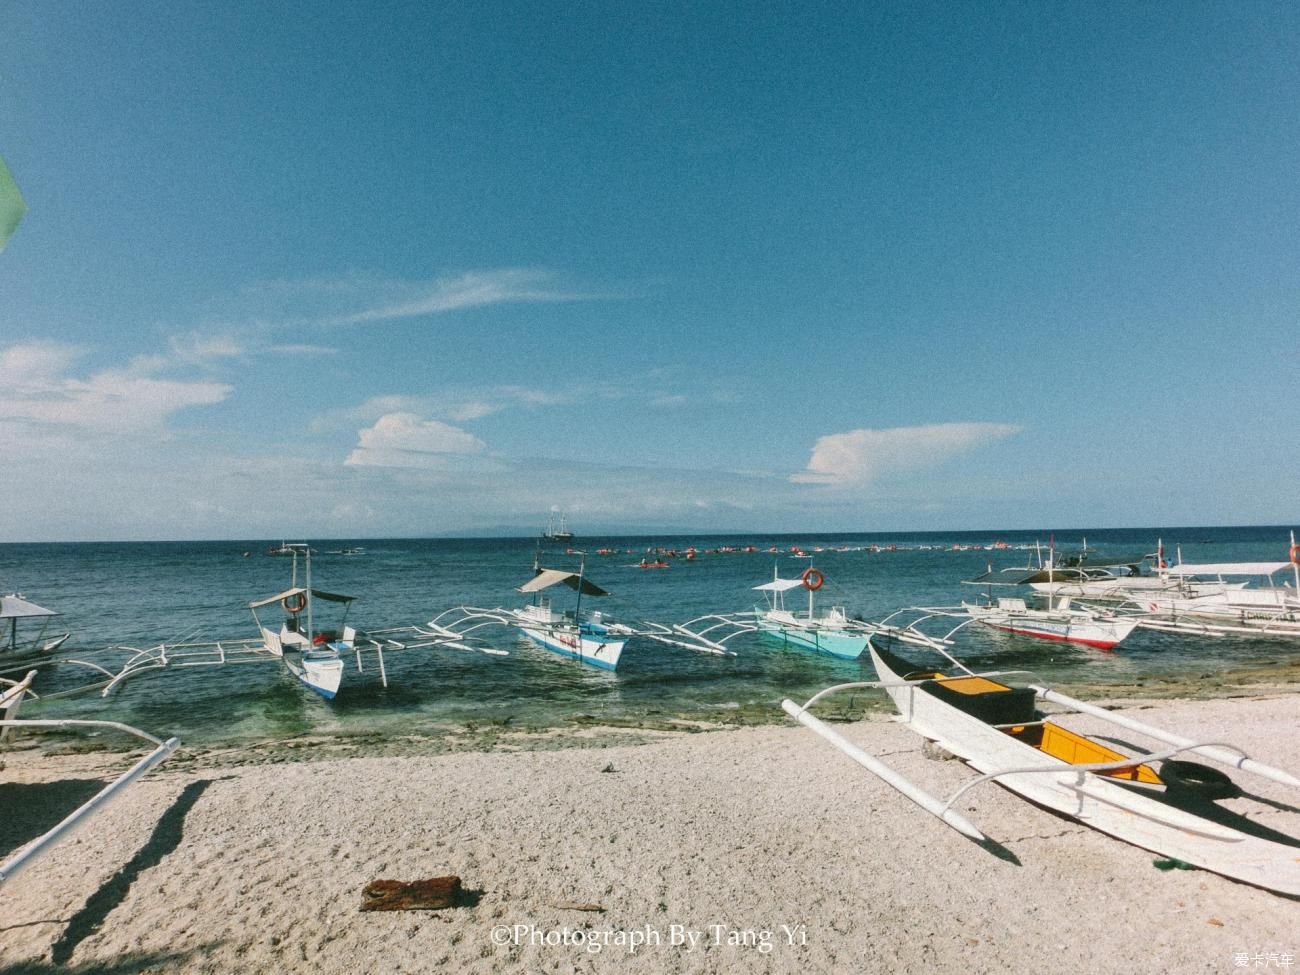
<point>911,790</point>
<point>161,752</point>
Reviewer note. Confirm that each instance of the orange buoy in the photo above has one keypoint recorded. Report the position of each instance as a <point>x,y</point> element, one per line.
<point>812,579</point>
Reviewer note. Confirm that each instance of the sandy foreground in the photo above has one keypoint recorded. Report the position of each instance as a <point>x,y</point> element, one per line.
<point>749,850</point>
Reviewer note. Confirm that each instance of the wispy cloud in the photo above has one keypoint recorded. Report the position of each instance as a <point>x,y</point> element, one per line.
<point>204,348</point>
<point>36,386</point>
<point>301,348</point>
<point>669,401</point>
<point>472,289</point>
<point>857,457</point>
<point>459,405</point>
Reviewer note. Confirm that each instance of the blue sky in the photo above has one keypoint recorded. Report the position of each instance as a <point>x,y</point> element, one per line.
<point>406,269</point>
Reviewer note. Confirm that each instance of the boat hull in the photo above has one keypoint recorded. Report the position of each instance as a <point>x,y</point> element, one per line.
<point>321,673</point>
<point>1101,634</point>
<point>836,643</point>
<point>1146,820</point>
<point>1240,605</point>
<point>595,650</point>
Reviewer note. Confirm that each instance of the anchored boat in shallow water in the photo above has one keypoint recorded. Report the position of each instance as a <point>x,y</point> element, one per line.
<point>1056,620</point>
<point>588,637</point>
<point>831,632</point>
<point>15,607</point>
<point>1154,800</point>
<point>313,655</point>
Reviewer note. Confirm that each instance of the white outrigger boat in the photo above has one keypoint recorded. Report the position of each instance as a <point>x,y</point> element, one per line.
<point>1221,607</point>
<point>15,607</point>
<point>310,655</point>
<point>833,632</point>
<point>1051,617</point>
<point>1096,578</point>
<point>12,694</point>
<point>313,656</point>
<point>588,637</point>
<point>1152,800</point>
<point>1056,619</point>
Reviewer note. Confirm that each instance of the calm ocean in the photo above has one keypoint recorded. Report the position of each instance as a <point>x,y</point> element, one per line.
<point>143,593</point>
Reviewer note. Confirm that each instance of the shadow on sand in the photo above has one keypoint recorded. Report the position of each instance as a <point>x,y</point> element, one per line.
<point>165,838</point>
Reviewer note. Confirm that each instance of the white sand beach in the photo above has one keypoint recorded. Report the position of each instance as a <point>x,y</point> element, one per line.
<point>748,850</point>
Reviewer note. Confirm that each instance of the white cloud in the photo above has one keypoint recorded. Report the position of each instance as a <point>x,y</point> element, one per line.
<point>857,457</point>
<point>405,440</point>
<point>35,388</point>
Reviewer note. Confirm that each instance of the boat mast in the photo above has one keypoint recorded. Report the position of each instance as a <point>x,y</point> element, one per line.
<point>1051,572</point>
<point>1295,563</point>
<point>537,568</point>
<point>577,606</point>
<point>310,632</point>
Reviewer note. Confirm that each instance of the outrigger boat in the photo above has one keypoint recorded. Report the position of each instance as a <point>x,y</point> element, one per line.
<point>315,657</point>
<point>1111,580</point>
<point>1052,617</point>
<point>1219,607</point>
<point>15,607</point>
<point>1152,800</point>
<point>586,636</point>
<point>833,632</point>
<point>12,694</point>
<point>1057,619</point>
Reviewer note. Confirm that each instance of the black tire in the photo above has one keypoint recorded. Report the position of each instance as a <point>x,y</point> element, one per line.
<point>1192,778</point>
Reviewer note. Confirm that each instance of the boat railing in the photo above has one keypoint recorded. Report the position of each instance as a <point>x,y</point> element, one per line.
<point>1082,768</point>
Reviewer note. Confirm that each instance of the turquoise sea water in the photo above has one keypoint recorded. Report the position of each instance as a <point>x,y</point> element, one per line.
<point>144,593</point>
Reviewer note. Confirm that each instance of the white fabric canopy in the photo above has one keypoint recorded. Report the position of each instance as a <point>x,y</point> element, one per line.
<point>779,585</point>
<point>1230,569</point>
<point>15,607</point>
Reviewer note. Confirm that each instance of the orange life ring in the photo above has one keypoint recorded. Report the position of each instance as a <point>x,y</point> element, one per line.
<point>1295,554</point>
<point>812,579</point>
<point>295,603</point>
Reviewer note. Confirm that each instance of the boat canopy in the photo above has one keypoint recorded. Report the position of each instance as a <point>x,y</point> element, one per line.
<point>14,607</point>
<point>779,585</point>
<point>1230,569</point>
<point>546,578</point>
<point>329,597</point>
<point>1096,560</point>
<point>1022,575</point>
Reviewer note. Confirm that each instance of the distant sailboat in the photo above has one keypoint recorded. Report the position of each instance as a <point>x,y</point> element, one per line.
<point>557,531</point>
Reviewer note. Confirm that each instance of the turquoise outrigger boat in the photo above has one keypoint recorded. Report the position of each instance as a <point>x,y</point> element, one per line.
<point>833,632</point>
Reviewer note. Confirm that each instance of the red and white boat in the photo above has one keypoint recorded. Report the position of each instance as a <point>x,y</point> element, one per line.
<point>1057,620</point>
